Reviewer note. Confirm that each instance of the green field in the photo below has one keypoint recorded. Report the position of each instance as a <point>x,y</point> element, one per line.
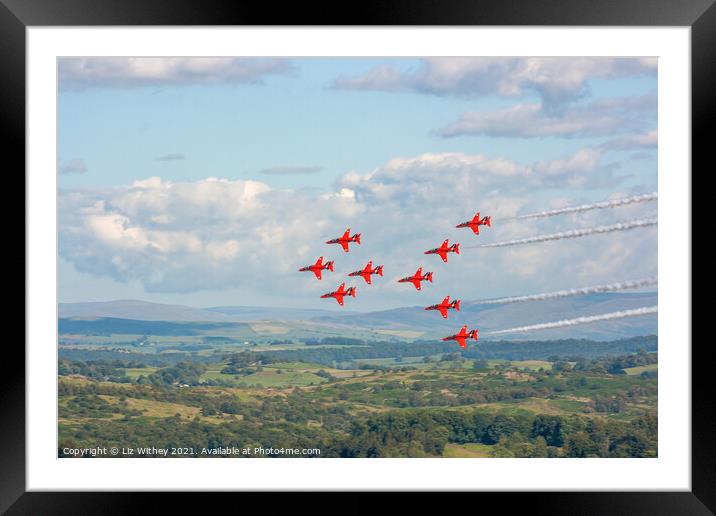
<point>467,450</point>
<point>351,405</point>
<point>532,364</point>
<point>641,369</point>
<point>267,378</point>
<point>136,372</point>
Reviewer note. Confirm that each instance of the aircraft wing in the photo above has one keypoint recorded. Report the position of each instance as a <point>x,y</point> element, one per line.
<point>461,342</point>
<point>416,282</point>
<point>339,298</point>
<point>476,229</point>
<point>443,311</point>
<point>366,277</point>
<point>443,254</point>
<point>344,245</point>
<point>347,234</point>
<point>317,272</point>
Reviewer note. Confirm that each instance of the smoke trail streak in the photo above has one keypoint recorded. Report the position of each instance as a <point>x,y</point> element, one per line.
<point>586,207</point>
<point>579,320</point>
<point>611,287</point>
<point>574,233</point>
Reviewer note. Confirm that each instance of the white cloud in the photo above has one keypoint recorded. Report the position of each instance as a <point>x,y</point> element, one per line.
<point>555,79</point>
<point>185,236</point>
<point>220,233</point>
<point>604,117</point>
<point>130,72</point>
<point>648,140</point>
<point>74,166</point>
<point>466,175</point>
<point>174,156</point>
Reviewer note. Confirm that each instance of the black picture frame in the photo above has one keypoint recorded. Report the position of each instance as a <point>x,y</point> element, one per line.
<point>17,15</point>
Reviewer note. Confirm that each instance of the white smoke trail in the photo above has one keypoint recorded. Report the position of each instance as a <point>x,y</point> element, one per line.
<point>610,287</point>
<point>574,233</point>
<point>579,320</point>
<point>586,207</point>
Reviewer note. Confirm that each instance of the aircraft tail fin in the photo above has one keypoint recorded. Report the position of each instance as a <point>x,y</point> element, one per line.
<point>353,291</point>
<point>456,304</point>
<point>488,221</point>
<point>379,270</point>
<point>457,248</point>
<point>330,266</point>
<point>474,334</point>
<point>430,277</point>
<point>357,238</point>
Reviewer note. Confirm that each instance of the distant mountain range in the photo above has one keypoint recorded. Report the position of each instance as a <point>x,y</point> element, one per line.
<point>490,317</point>
<point>145,311</point>
<point>486,317</point>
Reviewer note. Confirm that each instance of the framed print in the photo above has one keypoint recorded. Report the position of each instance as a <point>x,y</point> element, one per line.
<point>423,252</point>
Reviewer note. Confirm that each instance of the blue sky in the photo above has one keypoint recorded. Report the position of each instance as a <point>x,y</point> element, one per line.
<point>400,149</point>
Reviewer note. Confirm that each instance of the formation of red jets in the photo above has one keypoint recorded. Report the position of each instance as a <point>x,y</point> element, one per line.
<point>341,292</point>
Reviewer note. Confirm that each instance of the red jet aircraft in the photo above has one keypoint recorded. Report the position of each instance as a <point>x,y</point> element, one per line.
<point>338,294</point>
<point>445,306</point>
<point>475,223</point>
<point>317,267</point>
<point>444,249</point>
<point>462,335</point>
<point>367,271</point>
<point>345,239</point>
<point>416,278</point>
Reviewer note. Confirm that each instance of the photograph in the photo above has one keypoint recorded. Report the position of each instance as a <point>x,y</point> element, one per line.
<point>358,257</point>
